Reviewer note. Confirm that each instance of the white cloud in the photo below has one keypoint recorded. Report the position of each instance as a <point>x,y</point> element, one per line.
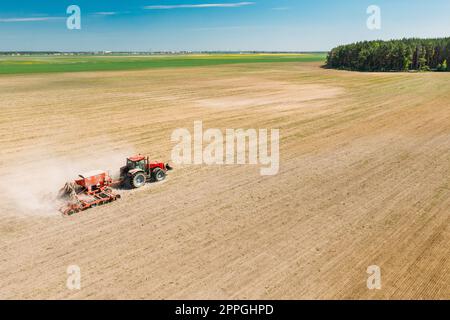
<point>204,5</point>
<point>30,19</point>
<point>106,13</point>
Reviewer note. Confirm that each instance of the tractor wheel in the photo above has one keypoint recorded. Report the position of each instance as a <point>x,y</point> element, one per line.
<point>138,180</point>
<point>158,175</point>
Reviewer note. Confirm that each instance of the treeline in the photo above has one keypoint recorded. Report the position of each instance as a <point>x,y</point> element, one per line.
<point>394,55</point>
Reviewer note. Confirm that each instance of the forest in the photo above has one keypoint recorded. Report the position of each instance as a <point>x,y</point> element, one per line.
<point>394,55</point>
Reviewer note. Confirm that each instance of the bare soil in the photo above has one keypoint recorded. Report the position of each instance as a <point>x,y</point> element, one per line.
<point>364,180</point>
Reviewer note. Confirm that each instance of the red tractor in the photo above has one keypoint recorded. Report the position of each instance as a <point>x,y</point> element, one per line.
<point>139,171</point>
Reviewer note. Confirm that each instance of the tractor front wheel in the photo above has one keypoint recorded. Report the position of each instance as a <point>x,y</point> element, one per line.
<point>158,175</point>
<point>138,180</point>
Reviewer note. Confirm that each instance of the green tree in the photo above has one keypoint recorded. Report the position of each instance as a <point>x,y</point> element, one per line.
<point>394,55</point>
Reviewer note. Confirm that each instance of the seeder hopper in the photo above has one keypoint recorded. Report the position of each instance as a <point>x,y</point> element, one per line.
<point>93,189</point>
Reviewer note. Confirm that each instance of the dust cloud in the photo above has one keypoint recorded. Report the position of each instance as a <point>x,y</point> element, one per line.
<point>31,188</point>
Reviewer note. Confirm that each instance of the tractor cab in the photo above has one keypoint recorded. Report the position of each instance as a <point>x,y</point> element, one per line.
<point>137,162</point>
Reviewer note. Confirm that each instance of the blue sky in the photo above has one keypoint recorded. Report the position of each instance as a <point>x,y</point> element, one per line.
<point>285,25</point>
